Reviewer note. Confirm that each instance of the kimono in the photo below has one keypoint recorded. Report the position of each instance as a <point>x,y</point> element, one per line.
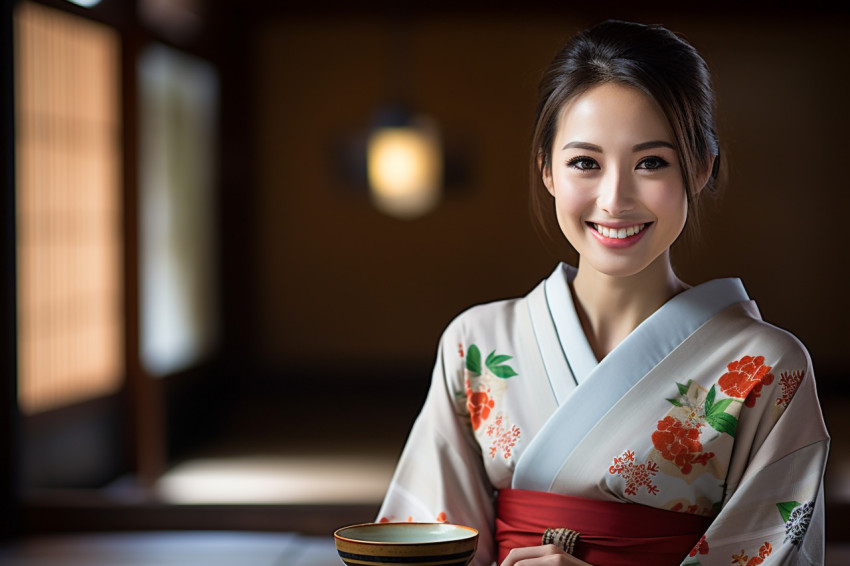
<point>704,408</point>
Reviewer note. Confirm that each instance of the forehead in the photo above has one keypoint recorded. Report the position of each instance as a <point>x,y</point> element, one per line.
<point>613,113</point>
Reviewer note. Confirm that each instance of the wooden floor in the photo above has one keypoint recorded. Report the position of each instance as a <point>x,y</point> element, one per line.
<point>211,548</point>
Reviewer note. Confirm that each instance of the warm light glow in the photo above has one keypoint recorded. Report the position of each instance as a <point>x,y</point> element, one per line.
<point>69,208</point>
<point>278,479</point>
<point>405,169</point>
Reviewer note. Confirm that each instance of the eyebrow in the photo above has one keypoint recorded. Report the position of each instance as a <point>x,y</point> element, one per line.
<point>583,145</point>
<point>652,145</point>
<point>639,147</point>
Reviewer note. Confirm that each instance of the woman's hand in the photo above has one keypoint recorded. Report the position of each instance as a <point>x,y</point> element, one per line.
<point>545,555</point>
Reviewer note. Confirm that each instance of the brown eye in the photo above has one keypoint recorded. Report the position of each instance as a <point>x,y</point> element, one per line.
<point>652,163</point>
<point>582,163</point>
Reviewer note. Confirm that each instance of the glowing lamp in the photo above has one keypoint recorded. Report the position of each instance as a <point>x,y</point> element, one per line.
<point>405,168</point>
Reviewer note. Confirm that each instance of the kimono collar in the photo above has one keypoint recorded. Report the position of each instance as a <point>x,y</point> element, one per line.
<point>674,321</point>
<point>584,389</point>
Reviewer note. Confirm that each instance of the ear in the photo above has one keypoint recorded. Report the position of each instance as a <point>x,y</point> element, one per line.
<point>545,174</point>
<point>706,173</point>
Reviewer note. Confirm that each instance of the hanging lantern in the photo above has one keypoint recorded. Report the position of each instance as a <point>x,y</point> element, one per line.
<point>404,164</point>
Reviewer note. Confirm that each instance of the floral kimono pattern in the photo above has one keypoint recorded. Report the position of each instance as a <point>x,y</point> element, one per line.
<point>705,409</point>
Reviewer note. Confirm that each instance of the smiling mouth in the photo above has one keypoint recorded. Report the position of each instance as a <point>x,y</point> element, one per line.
<point>619,233</point>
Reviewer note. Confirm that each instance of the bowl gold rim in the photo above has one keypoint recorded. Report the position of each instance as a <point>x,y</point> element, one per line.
<point>472,534</point>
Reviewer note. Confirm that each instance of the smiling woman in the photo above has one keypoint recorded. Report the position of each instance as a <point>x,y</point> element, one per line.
<point>620,188</point>
<point>685,91</point>
<point>624,407</point>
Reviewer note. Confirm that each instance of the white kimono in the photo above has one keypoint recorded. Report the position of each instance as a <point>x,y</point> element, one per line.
<point>704,408</point>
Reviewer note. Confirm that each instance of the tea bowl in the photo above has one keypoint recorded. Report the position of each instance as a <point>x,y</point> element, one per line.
<point>411,544</point>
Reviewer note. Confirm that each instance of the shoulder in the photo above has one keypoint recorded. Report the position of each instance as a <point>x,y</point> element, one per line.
<point>481,323</point>
<point>496,320</point>
<point>499,314</point>
<point>486,314</point>
<point>767,362</point>
<point>777,343</point>
<point>491,326</point>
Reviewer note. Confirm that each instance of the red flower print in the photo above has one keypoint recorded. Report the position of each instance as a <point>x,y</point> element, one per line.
<point>479,404</point>
<point>460,349</point>
<point>744,560</point>
<point>441,517</point>
<point>790,382</point>
<point>503,439</point>
<point>745,378</point>
<point>678,441</point>
<point>635,475</point>
<point>700,548</point>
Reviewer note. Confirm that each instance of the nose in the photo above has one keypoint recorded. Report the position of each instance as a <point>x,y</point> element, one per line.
<point>616,192</point>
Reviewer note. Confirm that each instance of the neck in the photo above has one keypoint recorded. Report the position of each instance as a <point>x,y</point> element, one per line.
<point>610,307</point>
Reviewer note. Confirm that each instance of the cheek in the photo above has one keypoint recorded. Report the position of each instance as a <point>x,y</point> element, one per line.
<point>671,203</point>
<point>572,200</point>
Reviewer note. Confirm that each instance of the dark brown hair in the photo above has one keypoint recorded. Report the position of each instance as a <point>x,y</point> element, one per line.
<point>651,59</point>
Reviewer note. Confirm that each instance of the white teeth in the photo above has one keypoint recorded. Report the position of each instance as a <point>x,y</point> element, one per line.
<point>619,233</point>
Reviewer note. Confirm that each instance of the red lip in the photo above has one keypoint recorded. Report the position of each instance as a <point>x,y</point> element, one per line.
<point>619,243</point>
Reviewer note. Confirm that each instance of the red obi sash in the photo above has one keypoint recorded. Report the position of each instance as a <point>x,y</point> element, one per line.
<point>610,533</point>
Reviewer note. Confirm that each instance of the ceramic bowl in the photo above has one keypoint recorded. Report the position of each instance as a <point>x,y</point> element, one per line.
<point>411,544</point>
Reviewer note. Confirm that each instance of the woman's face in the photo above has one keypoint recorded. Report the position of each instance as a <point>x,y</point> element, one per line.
<point>615,175</point>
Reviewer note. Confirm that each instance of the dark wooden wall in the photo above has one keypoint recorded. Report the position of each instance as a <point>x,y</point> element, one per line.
<point>337,287</point>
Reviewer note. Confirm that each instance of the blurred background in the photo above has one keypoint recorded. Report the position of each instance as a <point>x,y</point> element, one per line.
<point>210,318</point>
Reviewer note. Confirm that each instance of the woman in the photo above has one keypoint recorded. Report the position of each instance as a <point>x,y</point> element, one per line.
<point>616,415</point>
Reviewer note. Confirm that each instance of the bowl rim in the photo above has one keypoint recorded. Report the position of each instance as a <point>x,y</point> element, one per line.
<point>472,534</point>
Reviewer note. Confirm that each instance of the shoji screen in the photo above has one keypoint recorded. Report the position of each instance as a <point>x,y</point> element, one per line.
<point>70,332</point>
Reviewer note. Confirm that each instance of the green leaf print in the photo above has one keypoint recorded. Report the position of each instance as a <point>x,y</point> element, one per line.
<point>719,407</point>
<point>722,422</point>
<point>786,508</point>
<point>716,415</point>
<point>494,360</point>
<point>496,364</point>
<point>709,400</point>
<point>683,387</point>
<point>473,359</point>
<point>503,371</point>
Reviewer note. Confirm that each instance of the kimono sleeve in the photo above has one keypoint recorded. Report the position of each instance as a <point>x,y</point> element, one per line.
<point>440,475</point>
<point>775,514</point>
